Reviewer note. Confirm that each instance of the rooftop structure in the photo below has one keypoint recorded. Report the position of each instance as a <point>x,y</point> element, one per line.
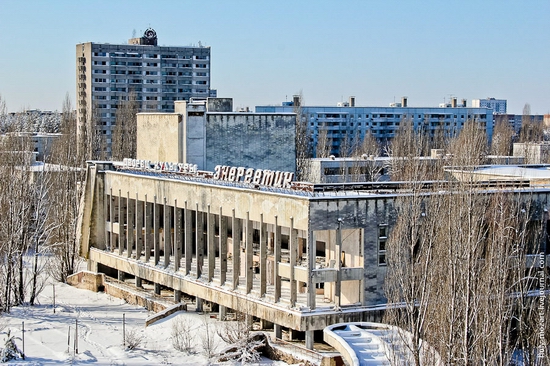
<point>207,132</point>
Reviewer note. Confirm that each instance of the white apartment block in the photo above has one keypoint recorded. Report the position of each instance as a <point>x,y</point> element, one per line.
<point>497,105</point>
<point>106,74</point>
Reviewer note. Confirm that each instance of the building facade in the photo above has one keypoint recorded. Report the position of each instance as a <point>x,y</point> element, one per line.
<point>497,105</point>
<point>207,132</point>
<point>156,76</point>
<point>347,123</point>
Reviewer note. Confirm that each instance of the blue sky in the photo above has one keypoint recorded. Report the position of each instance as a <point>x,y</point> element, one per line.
<point>263,52</point>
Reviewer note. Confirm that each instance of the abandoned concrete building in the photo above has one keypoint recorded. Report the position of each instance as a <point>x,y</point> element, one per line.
<point>294,255</point>
<point>271,252</point>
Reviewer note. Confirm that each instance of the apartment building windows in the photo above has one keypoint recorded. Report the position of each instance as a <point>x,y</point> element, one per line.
<point>382,239</point>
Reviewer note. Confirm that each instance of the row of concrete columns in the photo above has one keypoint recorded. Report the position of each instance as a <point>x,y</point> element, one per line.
<point>147,227</point>
<point>141,228</point>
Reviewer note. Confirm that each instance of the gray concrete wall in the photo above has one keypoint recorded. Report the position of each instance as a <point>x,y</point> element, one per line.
<point>366,214</point>
<point>262,141</point>
<point>160,137</point>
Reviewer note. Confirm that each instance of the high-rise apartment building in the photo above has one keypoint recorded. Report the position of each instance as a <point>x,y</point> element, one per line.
<point>108,74</point>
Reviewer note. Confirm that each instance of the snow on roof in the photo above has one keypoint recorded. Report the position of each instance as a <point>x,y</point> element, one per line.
<point>531,172</point>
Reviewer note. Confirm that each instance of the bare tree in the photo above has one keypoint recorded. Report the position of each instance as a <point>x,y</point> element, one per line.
<point>531,131</point>
<point>65,197</point>
<point>3,115</point>
<point>405,151</point>
<point>16,198</point>
<point>41,228</point>
<point>324,144</point>
<point>456,260</point>
<point>503,135</point>
<point>183,335</point>
<point>303,142</point>
<point>365,167</point>
<point>208,338</point>
<point>124,137</point>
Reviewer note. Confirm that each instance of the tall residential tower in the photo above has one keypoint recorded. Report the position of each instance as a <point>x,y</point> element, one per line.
<point>107,74</point>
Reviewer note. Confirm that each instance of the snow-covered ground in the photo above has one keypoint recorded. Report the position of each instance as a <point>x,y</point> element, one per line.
<point>49,337</point>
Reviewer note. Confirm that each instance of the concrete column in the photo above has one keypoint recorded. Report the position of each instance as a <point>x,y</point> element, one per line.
<point>223,313</point>
<point>156,231</point>
<point>277,260</point>
<point>278,330</point>
<point>112,238</point>
<point>167,233</point>
<point>311,254</point>
<point>236,259</point>
<point>338,266</point>
<point>178,235</point>
<point>223,247</point>
<point>309,339</point>
<point>92,266</point>
<point>148,238</point>
<point>121,229</point>
<point>292,334</point>
<point>157,288</point>
<point>188,239</point>
<point>138,282</point>
<point>293,247</point>
<point>249,252</point>
<point>249,321</point>
<point>130,219</point>
<point>263,256</point>
<point>177,296</point>
<point>199,239</point>
<point>120,276</point>
<point>108,220</point>
<point>139,227</point>
<point>211,247</point>
<point>199,305</point>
